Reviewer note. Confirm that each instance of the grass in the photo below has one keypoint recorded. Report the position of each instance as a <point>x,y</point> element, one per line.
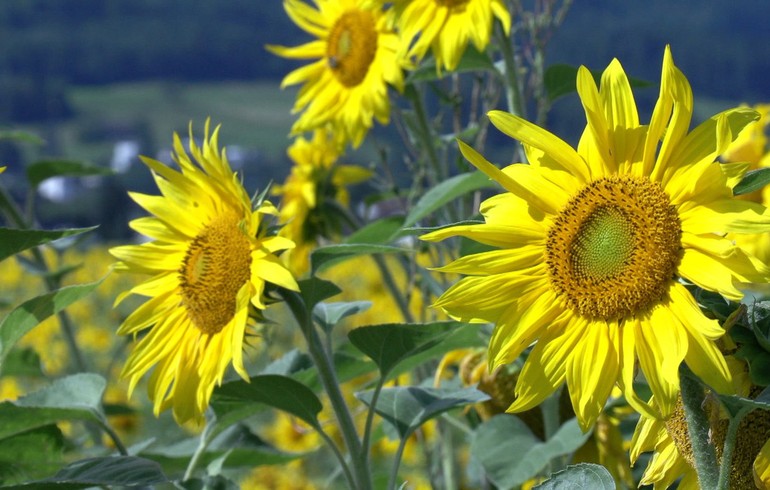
<point>254,115</point>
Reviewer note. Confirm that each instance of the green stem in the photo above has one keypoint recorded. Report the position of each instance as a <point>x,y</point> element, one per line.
<point>331,385</point>
<point>425,135</point>
<point>203,443</point>
<point>343,464</point>
<point>17,218</point>
<point>370,418</point>
<point>396,463</point>
<point>729,448</point>
<point>698,427</point>
<point>512,84</point>
<point>114,436</point>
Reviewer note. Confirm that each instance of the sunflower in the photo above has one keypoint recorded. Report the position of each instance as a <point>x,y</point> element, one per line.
<point>209,260</point>
<point>347,86</point>
<point>751,147</point>
<point>593,244</point>
<point>446,26</point>
<point>672,451</point>
<point>315,180</point>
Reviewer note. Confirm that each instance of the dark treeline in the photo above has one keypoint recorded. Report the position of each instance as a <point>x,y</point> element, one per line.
<point>723,47</point>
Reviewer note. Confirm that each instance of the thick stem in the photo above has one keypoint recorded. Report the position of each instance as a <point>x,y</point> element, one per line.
<point>331,385</point>
<point>698,427</point>
<point>396,463</point>
<point>729,448</point>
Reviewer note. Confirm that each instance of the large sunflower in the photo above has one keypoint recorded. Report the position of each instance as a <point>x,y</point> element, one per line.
<point>209,259</point>
<point>356,51</point>
<point>447,26</point>
<point>593,245</point>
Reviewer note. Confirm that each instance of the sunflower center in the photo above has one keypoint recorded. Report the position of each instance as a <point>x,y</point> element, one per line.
<point>351,46</point>
<point>614,248</point>
<point>216,266</point>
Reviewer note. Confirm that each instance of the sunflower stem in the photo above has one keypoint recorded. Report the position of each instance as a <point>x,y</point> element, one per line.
<point>698,427</point>
<point>424,134</point>
<point>396,463</point>
<point>303,315</point>
<point>203,443</point>
<point>370,418</point>
<point>729,448</point>
<point>16,216</point>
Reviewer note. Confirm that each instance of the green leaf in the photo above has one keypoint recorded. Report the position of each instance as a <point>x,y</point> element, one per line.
<point>13,241</point>
<point>582,476</point>
<point>45,169</point>
<point>35,453</point>
<point>391,343</point>
<point>329,314</point>
<point>472,60</point>
<point>501,436</point>
<point>408,407</point>
<point>752,181</point>
<point>315,290</point>
<point>236,444</point>
<point>277,391</point>
<point>76,397</point>
<point>105,471</point>
<point>22,362</point>
<point>445,192</point>
<point>30,313</point>
<point>734,403</point>
<point>23,136</point>
<point>323,257</point>
<point>382,231</point>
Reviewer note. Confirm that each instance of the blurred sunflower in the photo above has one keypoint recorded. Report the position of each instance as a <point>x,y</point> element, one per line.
<point>356,51</point>
<point>209,260</point>
<point>315,181</point>
<point>2,169</point>
<point>446,26</point>
<point>751,146</point>
<point>592,244</point>
<point>673,457</point>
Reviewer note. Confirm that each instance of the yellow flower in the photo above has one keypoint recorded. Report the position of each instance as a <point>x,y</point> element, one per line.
<point>2,169</point>
<point>290,434</point>
<point>593,243</point>
<point>315,179</point>
<point>291,476</point>
<point>751,146</point>
<point>446,26</point>
<point>347,86</point>
<point>209,260</point>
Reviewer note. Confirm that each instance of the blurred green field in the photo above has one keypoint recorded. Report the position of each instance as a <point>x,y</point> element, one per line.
<point>255,115</point>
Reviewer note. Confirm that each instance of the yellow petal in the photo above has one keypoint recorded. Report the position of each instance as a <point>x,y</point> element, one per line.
<point>592,369</point>
<point>537,137</point>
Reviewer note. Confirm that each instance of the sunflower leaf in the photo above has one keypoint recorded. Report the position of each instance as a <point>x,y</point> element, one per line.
<point>45,169</point>
<point>22,136</point>
<point>735,404</point>
<point>582,475</point>
<point>329,314</point>
<point>391,343</point>
<point>382,231</point>
<point>445,192</point>
<point>752,181</point>
<point>323,257</point>
<point>472,60</point>
<point>30,313</point>
<point>501,436</point>
<point>76,397</point>
<point>13,241</point>
<point>561,79</point>
<point>277,391</point>
<point>34,454</point>
<point>408,407</point>
<point>102,471</point>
